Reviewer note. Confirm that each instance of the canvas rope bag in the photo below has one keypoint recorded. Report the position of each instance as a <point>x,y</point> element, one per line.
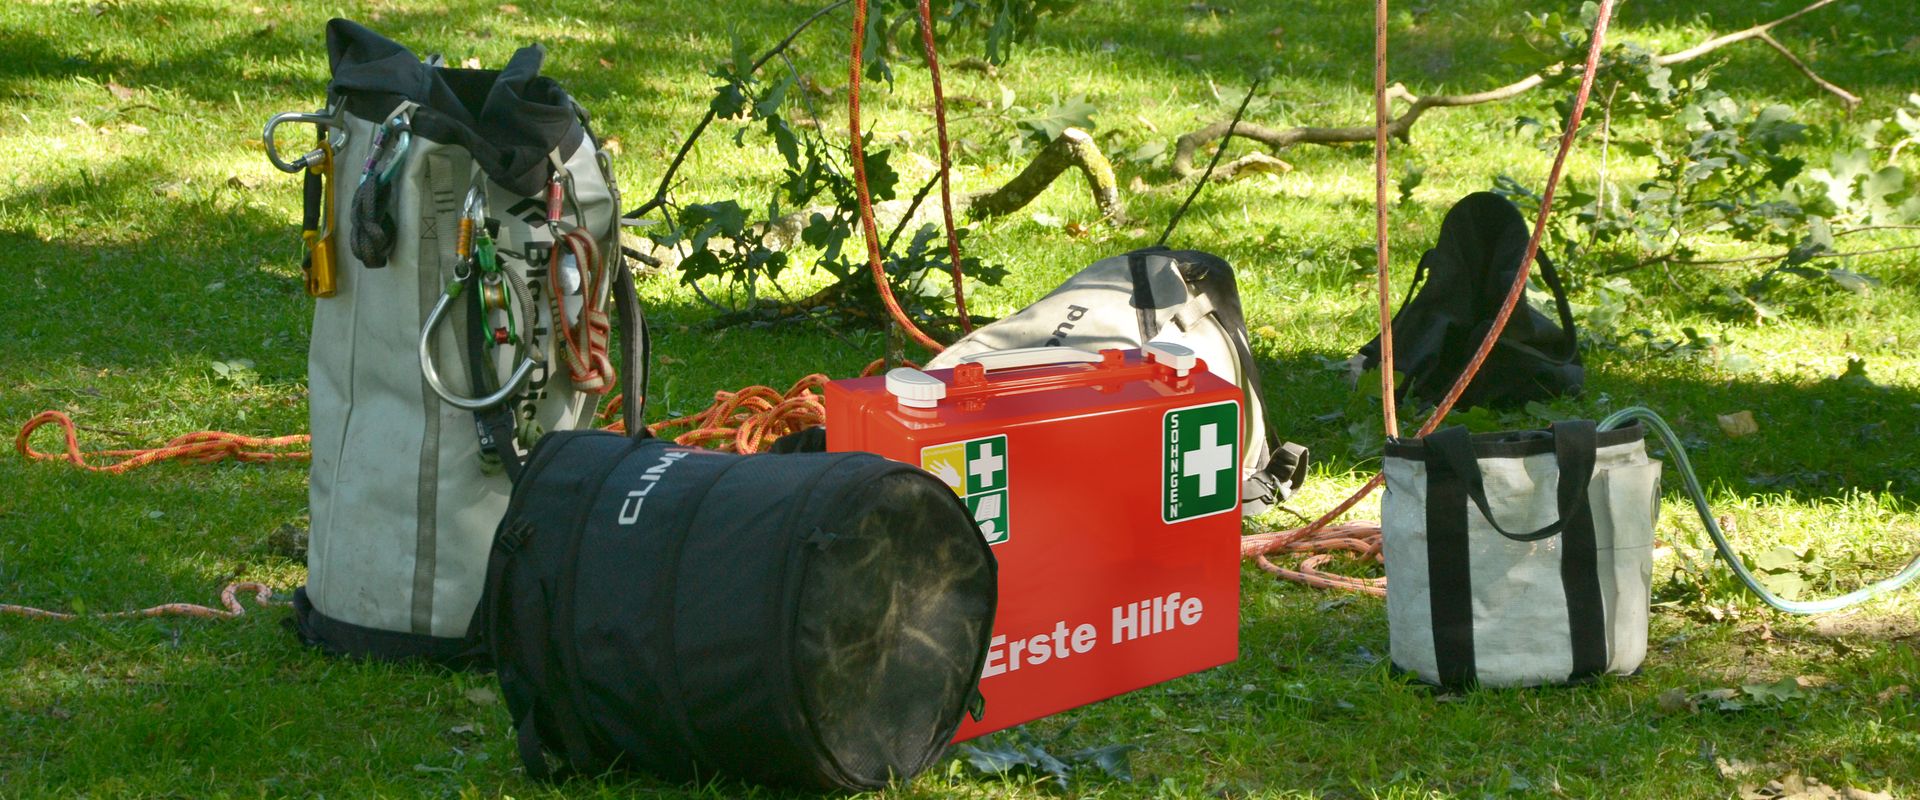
<point>476,248</point>
<point>1186,297</point>
<point>813,620</point>
<point>1522,558</point>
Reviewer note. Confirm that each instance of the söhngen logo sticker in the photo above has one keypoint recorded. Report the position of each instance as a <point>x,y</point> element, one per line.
<point>1200,461</point>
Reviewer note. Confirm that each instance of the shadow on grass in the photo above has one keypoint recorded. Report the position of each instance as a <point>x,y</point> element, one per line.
<point>143,278</point>
<point>1817,440</point>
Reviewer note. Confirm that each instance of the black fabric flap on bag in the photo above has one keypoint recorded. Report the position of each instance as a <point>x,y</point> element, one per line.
<point>510,119</point>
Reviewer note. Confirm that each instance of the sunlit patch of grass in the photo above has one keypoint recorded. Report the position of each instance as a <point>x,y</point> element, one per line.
<point>152,239</point>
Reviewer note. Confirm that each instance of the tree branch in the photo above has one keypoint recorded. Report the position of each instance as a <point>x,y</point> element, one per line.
<point>1075,148</point>
<point>1417,105</point>
<point>1851,100</point>
<point>659,197</point>
<point>1766,259</point>
<point>1716,43</point>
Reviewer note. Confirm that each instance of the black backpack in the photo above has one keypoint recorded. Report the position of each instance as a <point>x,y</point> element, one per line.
<point>810,620</point>
<point>1466,277</point>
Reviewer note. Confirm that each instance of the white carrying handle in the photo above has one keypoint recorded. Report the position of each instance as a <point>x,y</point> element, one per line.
<point>1031,357</point>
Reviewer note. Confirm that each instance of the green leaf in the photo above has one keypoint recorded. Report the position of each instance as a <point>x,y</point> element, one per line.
<point>1819,240</point>
<point>786,141</point>
<point>1542,411</point>
<point>1113,760</point>
<point>725,217</point>
<point>1148,151</point>
<point>1779,691</point>
<point>769,104</point>
<point>1787,585</point>
<point>1076,112</point>
<point>1856,282</point>
<point>1777,559</point>
<point>1410,179</point>
<point>1876,191</point>
<point>728,101</point>
<point>742,55</point>
<point>880,175</point>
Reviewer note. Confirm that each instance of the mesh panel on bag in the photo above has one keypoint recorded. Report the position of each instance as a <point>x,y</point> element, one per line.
<point>893,614</point>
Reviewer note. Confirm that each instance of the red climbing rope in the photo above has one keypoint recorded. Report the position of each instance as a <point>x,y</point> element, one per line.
<point>1318,537</point>
<point>262,594</point>
<point>585,339</point>
<point>201,446</point>
<point>743,421</point>
<point>946,167</point>
<point>1388,410</point>
<point>868,228</point>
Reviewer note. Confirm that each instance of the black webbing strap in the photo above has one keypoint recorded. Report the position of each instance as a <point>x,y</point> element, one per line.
<point>1453,478</point>
<point>533,751</point>
<point>495,425</point>
<point>1574,446</point>
<point>1142,300</point>
<point>1449,573</point>
<point>636,349</point>
<point>1283,475</point>
<point>312,196</point>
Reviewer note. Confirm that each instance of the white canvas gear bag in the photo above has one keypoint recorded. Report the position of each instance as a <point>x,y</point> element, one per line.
<point>1519,559</point>
<point>1182,296</point>
<point>418,427</point>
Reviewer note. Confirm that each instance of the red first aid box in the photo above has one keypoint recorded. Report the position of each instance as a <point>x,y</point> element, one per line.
<point>1109,488</point>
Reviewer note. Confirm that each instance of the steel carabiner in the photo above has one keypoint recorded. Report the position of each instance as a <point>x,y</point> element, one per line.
<point>336,138</point>
<point>432,372</point>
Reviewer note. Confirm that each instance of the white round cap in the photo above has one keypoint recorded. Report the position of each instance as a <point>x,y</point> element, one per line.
<point>1173,354</point>
<point>914,388</point>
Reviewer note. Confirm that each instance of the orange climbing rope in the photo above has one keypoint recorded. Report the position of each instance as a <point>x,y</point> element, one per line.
<point>201,446</point>
<point>262,594</point>
<point>946,166</point>
<point>869,228</point>
<point>743,421</point>
<point>1318,537</point>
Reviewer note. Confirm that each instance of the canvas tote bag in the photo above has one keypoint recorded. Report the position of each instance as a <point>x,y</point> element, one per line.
<point>406,487</point>
<point>1519,558</point>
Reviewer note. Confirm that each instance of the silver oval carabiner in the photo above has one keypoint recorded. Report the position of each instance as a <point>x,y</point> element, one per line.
<point>432,373</point>
<point>336,136</point>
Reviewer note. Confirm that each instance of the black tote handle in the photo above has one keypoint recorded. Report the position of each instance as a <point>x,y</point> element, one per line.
<point>636,349</point>
<point>1574,445</point>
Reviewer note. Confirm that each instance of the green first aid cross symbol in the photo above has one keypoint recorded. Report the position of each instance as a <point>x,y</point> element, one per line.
<point>1201,461</point>
<point>986,464</point>
<point>987,486</point>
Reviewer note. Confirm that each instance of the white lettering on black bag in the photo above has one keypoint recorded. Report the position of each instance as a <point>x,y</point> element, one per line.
<point>1182,296</point>
<point>413,450</point>
<point>1519,559</point>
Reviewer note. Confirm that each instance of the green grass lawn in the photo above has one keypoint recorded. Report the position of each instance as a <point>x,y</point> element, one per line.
<point>144,237</point>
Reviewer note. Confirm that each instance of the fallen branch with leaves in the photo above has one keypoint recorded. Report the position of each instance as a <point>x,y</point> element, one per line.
<point>1400,127</point>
